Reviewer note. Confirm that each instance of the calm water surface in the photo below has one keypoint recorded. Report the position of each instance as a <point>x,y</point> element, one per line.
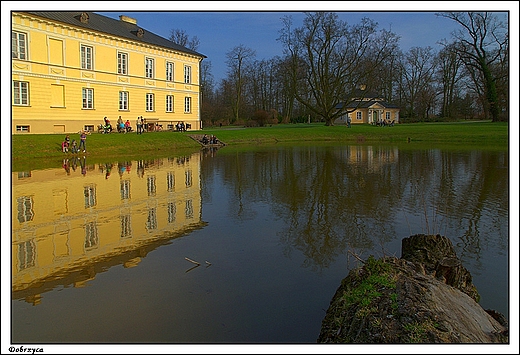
<point>107,253</point>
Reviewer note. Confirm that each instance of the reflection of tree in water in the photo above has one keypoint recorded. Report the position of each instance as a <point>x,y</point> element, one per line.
<point>344,206</point>
<point>333,200</point>
<point>453,192</point>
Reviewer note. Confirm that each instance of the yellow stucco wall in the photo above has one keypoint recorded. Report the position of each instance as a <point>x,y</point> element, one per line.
<point>53,70</point>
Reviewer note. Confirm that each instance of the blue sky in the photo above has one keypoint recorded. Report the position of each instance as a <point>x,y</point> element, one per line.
<point>220,31</point>
<point>222,25</point>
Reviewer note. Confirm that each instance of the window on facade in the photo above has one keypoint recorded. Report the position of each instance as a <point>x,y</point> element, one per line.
<point>169,103</point>
<point>170,181</point>
<point>387,114</point>
<point>123,100</point>
<point>149,68</point>
<point>122,63</point>
<point>88,98</point>
<point>125,189</point>
<point>187,74</point>
<point>86,57</point>
<point>151,221</point>
<point>21,93</point>
<point>151,185</point>
<point>187,104</point>
<point>90,196</point>
<point>171,212</point>
<point>188,210</point>
<point>126,226</point>
<point>25,209</point>
<point>26,255</point>
<point>169,71</point>
<point>359,115</point>
<point>149,102</point>
<point>189,178</point>
<point>91,236</point>
<point>22,128</point>
<point>18,45</point>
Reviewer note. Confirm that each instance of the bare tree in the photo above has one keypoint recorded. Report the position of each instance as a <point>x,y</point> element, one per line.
<point>483,46</point>
<point>237,60</point>
<point>329,59</point>
<point>417,69</point>
<point>448,74</point>
<point>181,38</point>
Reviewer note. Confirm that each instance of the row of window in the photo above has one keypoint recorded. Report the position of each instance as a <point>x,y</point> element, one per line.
<point>25,203</point>
<point>27,249</point>
<point>359,115</point>
<point>19,51</point>
<point>21,97</point>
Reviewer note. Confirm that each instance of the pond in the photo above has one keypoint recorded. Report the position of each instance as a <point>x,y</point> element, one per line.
<point>238,247</point>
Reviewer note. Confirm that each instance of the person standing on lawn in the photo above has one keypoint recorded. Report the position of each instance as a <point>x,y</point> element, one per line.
<point>83,141</point>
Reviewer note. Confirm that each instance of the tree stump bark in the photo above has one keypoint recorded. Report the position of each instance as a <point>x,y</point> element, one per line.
<point>437,255</point>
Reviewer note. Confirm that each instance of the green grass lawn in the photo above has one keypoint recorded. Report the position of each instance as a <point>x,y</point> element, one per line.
<point>41,149</point>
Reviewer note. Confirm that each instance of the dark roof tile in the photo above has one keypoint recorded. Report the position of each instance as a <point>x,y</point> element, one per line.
<point>111,26</point>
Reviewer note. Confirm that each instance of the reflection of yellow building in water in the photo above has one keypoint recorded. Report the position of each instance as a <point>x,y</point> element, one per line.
<point>71,69</point>
<point>376,157</point>
<point>68,225</point>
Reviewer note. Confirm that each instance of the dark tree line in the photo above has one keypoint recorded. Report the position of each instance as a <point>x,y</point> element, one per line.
<point>325,60</point>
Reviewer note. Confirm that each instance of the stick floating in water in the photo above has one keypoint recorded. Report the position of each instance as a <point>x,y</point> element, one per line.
<point>192,261</point>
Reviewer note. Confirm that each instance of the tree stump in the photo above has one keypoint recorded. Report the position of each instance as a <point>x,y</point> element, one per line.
<point>427,250</point>
<point>437,255</point>
<point>449,270</point>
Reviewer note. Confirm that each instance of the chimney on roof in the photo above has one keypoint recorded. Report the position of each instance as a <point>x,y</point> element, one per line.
<point>128,19</point>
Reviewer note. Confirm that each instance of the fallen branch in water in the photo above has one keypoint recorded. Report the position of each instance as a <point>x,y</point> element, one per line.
<point>191,268</point>
<point>356,256</point>
<point>192,261</point>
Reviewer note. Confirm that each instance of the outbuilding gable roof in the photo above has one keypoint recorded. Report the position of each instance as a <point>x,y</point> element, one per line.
<point>356,104</point>
<point>119,28</point>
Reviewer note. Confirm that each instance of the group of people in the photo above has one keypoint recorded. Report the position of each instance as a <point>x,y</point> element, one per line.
<point>73,162</point>
<point>123,127</point>
<point>72,146</point>
<point>383,123</point>
<point>209,139</point>
<point>182,127</point>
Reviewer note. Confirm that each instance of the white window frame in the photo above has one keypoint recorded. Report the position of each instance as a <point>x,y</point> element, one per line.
<point>87,98</point>
<point>23,128</point>
<point>20,93</point>
<point>149,67</point>
<point>123,100</point>
<point>169,103</point>
<point>388,116</point>
<point>187,104</point>
<point>87,57</point>
<point>359,115</point>
<point>150,102</point>
<point>187,74</point>
<point>169,71</point>
<point>18,45</point>
<point>122,63</point>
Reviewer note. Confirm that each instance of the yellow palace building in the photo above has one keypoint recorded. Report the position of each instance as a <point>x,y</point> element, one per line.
<point>71,69</point>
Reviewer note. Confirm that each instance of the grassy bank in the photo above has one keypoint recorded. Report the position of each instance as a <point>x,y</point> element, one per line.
<point>44,149</point>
